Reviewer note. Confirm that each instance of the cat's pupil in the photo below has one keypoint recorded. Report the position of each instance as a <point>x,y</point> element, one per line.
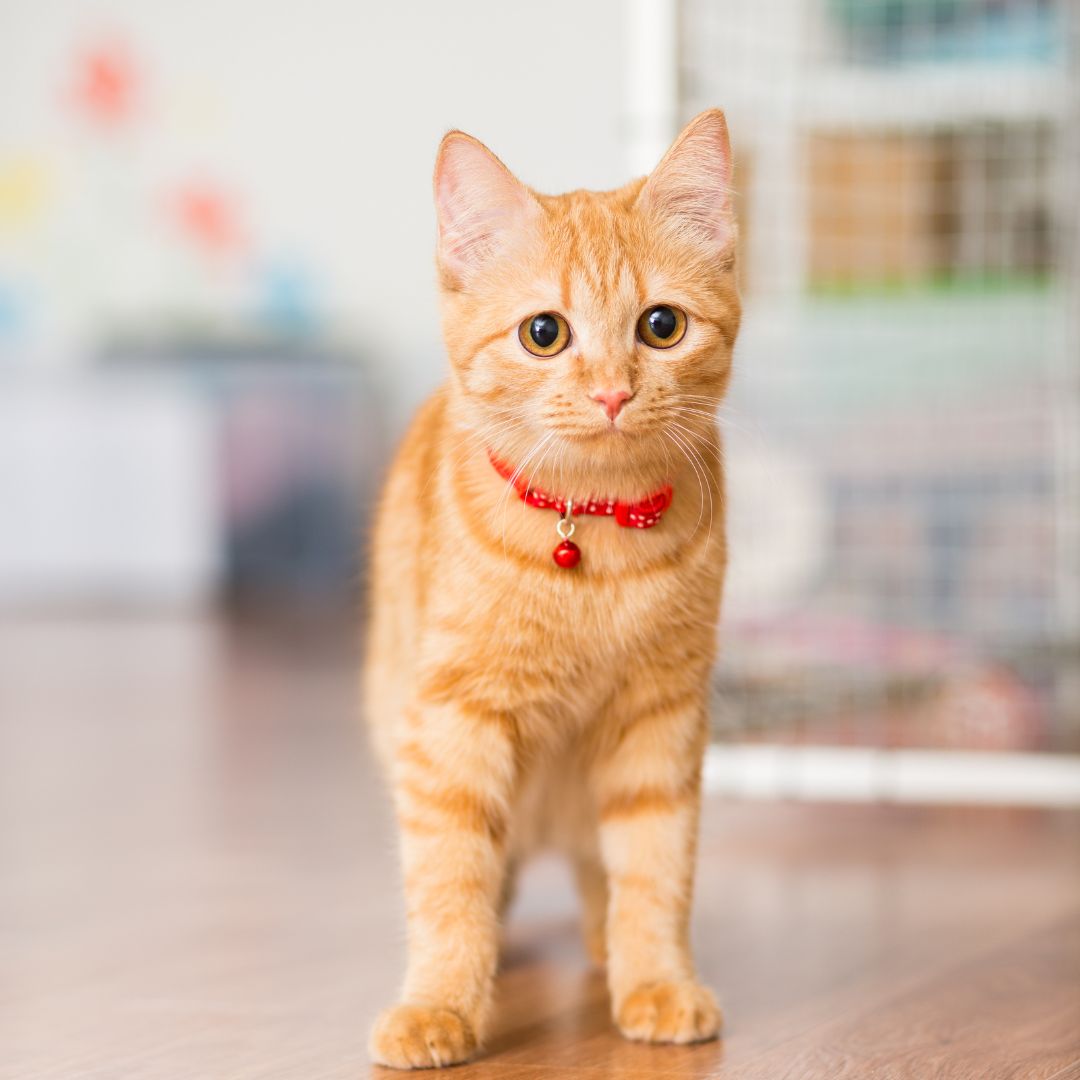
<point>544,330</point>
<point>662,322</point>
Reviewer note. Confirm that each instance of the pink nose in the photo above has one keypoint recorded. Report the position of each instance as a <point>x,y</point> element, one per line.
<point>612,401</point>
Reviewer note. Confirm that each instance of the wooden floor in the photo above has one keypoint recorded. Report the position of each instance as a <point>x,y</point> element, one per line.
<point>197,881</point>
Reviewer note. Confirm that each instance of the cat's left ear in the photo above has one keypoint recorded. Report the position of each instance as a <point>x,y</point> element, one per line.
<point>481,206</point>
<point>691,187</point>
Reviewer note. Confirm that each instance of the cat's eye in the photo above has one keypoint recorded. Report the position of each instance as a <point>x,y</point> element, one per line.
<point>545,334</point>
<point>662,326</point>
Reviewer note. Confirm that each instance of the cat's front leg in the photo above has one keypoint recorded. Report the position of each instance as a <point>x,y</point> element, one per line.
<point>647,793</point>
<point>453,774</point>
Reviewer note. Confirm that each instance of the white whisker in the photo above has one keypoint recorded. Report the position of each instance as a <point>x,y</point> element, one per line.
<point>703,477</point>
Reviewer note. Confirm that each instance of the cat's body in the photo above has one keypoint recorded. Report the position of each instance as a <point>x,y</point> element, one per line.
<point>517,704</point>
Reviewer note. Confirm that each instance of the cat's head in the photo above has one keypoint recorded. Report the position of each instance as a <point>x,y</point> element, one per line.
<point>599,324</point>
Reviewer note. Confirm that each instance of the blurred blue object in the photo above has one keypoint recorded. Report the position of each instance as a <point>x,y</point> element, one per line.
<point>287,298</point>
<point>925,31</point>
<point>12,307</point>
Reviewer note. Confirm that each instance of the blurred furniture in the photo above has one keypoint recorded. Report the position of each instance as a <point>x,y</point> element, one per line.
<point>182,472</point>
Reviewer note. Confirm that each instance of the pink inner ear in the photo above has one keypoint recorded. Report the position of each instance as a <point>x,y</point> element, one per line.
<point>480,204</point>
<point>691,187</point>
<point>463,240</point>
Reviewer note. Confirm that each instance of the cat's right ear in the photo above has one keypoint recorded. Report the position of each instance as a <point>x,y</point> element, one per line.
<point>480,205</point>
<point>690,190</point>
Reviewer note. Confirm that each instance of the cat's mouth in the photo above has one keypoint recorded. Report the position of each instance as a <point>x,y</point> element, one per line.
<point>598,433</point>
<point>600,429</point>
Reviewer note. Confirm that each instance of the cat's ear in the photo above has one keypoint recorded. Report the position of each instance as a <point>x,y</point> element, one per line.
<point>691,187</point>
<point>481,206</point>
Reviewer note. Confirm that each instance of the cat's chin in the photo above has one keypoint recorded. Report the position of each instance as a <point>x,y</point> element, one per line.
<point>619,452</point>
<point>621,447</point>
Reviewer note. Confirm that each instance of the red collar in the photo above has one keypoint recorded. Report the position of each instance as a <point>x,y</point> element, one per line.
<point>643,514</point>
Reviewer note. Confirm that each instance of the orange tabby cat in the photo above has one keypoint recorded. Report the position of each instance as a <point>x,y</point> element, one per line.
<point>519,701</point>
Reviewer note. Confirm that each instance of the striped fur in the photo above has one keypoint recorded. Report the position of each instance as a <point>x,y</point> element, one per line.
<point>516,705</point>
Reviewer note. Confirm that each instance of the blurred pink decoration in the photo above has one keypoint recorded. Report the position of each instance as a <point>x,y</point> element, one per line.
<point>912,687</point>
<point>208,217</point>
<point>105,86</point>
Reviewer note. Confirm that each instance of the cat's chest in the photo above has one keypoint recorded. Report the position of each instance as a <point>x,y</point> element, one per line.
<point>549,643</point>
<point>525,616</point>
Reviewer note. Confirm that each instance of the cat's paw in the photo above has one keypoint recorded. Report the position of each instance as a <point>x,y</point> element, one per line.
<point>670,1012</point>
<point>416,1037</point>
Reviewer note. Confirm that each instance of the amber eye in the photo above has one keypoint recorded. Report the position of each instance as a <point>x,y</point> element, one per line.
<point>545,334</point>
<point>662,326</point>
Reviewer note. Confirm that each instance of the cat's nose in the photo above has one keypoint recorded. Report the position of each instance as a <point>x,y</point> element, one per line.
<point>612,401</point>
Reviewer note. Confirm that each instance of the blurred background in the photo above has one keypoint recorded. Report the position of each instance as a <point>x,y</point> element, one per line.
<point>217,312</point>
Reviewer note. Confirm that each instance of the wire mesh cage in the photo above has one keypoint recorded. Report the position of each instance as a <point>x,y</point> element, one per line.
<point>902,434</point>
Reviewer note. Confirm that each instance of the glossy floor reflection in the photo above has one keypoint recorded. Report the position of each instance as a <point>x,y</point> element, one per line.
<point>197,880</point>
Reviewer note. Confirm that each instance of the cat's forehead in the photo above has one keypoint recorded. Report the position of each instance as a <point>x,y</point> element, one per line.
<point>597,231</point>
<point>598,249</point>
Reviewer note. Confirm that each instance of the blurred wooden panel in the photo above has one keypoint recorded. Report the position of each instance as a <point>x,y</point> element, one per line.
<point>871,208</point>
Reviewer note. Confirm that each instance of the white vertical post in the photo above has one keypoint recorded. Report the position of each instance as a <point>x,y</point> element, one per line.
<point>651,84</point>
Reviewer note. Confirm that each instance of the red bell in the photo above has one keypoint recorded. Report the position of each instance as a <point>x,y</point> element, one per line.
<point>567,554</point>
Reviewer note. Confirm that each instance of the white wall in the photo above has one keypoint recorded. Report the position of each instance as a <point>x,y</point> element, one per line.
<point>322,118</point>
